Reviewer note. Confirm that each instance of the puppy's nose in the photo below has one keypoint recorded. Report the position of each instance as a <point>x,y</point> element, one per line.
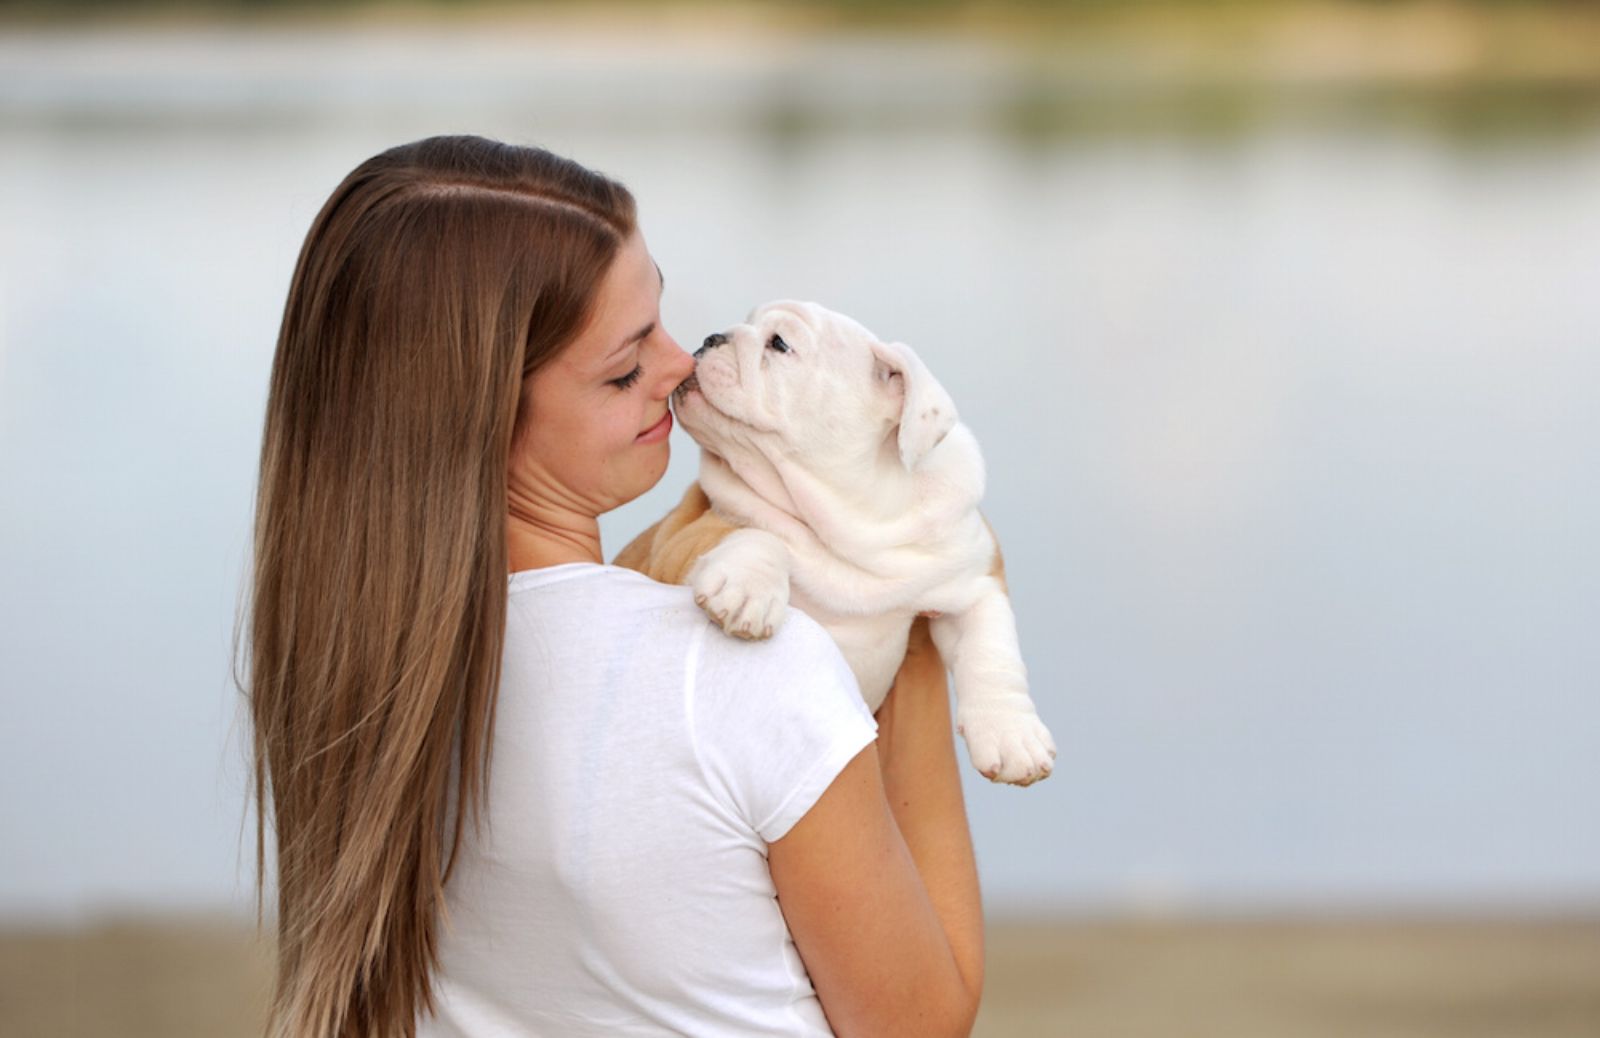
<point>715,339</point>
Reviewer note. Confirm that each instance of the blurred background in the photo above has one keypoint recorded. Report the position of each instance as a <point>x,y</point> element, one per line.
<point>1279,323</point>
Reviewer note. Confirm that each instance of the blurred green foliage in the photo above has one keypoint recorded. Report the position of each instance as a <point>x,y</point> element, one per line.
<point>843,10</point>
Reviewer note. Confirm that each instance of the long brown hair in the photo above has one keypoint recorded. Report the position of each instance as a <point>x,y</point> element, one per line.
<point>435,279</point>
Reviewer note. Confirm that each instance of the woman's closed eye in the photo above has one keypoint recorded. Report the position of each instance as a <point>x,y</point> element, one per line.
<point>629,379</point>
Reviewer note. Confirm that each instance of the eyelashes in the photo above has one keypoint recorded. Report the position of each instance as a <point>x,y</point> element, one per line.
<point>629,379</point>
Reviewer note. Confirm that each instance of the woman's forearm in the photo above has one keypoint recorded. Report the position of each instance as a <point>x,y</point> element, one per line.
<point>916,751</point>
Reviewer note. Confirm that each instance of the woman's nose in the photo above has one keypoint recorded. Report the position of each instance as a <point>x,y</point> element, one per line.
<point>680,365</point>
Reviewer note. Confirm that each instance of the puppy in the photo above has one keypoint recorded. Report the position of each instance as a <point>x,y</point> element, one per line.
<point>835,476</point>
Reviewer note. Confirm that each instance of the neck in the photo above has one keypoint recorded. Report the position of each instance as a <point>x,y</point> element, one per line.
<point>537,541</point>
<point>855,505</point>
<point>870,485</point>
<point>859,507</point>
<point>749,491</point>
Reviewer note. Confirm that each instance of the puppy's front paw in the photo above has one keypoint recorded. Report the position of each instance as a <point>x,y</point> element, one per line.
<point>1008,745</point>
<point>745,589</point>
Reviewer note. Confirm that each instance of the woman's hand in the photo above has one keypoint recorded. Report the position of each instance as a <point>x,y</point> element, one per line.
<point>918,702</point>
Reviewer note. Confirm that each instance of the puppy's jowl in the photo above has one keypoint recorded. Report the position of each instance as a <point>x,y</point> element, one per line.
<point>853,490</point>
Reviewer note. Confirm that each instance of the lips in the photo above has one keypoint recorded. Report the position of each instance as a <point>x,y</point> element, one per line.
<point>658,430</point>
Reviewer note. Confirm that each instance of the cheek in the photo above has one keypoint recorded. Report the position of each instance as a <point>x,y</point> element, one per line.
<point>571,438</point>
<point>720,384</point>
<point>617,426</point>
<point>792,391</point>
<point>718,370</point>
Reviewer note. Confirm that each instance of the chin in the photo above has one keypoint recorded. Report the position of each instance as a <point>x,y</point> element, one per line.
<point>654,473</point>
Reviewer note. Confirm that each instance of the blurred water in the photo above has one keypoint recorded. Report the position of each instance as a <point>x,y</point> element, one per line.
<point>1290,424</point>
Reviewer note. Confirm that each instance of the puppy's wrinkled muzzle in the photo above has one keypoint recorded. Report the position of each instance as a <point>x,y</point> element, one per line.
<point>687,386</point>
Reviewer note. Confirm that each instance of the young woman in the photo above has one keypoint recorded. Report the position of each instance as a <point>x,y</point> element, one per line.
<point>517,791</point>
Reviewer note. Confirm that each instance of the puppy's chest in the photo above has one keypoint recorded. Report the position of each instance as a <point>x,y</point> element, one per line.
<point>873,645</point>
<point>870,617</point>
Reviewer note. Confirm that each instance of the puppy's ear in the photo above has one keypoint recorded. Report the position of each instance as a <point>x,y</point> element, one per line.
<point>927,413</point>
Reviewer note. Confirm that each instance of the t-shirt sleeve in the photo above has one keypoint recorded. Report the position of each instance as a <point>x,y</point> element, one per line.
<point>775,721</point>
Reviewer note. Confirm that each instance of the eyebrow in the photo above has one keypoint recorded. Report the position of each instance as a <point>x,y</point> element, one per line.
<point>642,332</point>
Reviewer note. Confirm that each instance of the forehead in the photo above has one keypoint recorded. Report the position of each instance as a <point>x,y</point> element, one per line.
<point>768,313</point>
<point>791,320</point>
<point>624,305</point>
<point>826,326</point>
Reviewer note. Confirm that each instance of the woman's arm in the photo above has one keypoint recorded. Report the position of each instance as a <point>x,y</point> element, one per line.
<point>878,881</point>
<point>921,780</point>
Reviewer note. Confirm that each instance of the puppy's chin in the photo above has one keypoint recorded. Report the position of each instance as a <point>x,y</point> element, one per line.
<point>705,411</point>
<point>698,416</point>
<point>723,437</point>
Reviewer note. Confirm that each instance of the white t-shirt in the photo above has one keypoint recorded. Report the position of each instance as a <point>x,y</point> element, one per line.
<point>642,761</point>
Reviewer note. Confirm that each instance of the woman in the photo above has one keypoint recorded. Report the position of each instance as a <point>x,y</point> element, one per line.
<point>515,790</point>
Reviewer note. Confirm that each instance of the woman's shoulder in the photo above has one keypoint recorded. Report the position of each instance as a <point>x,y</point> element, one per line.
<point>593,592</point>
<point>799,651</point>
<point>601,594</point>
<point>595,580</point>
<point>529,580</point>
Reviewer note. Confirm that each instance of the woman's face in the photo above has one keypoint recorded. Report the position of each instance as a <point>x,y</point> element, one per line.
<point>595,420</point>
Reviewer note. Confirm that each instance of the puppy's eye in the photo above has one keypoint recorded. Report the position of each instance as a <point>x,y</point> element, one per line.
<point>777,343</point>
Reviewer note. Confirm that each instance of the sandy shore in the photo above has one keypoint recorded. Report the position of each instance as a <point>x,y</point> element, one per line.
<point>1461,979</point>
<point>1295,980</point>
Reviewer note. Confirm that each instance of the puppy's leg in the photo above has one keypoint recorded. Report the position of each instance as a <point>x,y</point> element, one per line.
<point>743,583</point>
<point>666,550</point>
<point>1005,738</point>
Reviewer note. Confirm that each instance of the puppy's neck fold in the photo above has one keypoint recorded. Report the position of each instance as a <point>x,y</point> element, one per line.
<point>854,509</point>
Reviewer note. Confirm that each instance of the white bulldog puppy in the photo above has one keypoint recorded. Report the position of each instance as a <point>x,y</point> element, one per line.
<point>856,491</point>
